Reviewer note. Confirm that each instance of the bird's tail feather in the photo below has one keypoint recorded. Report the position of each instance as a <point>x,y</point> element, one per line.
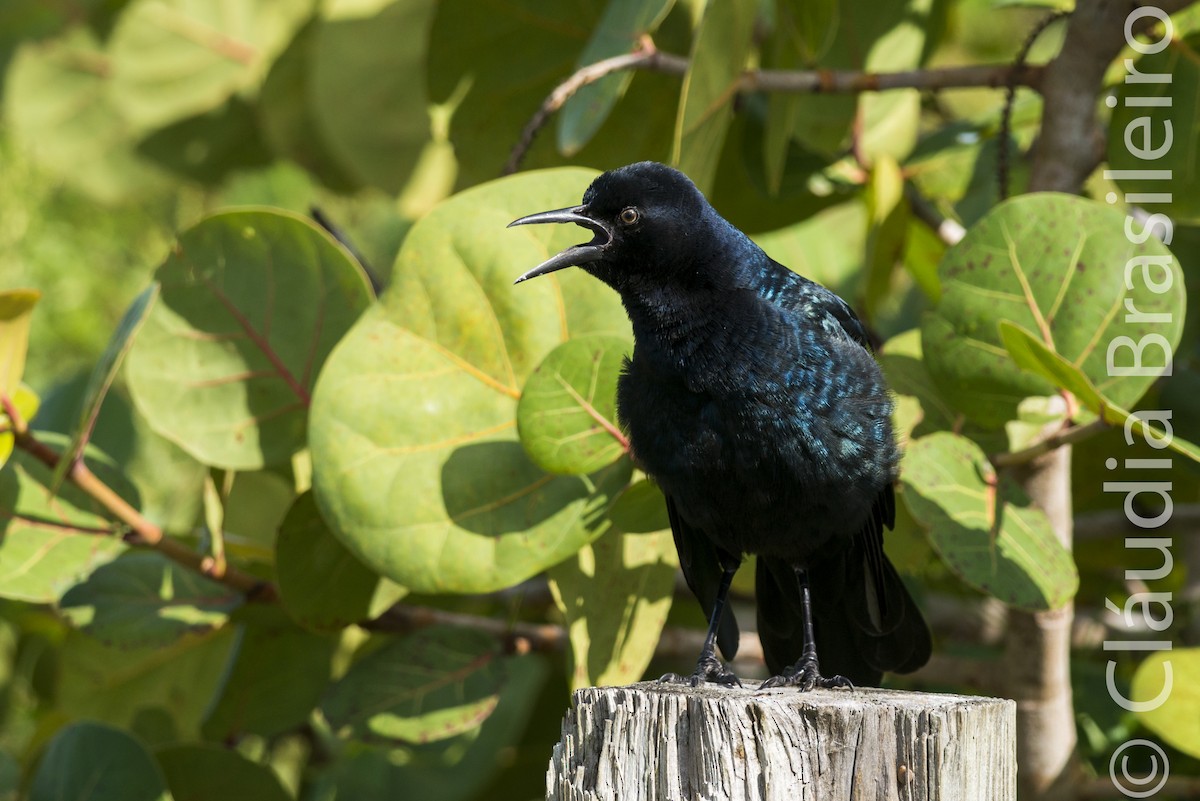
<point>865,622</point>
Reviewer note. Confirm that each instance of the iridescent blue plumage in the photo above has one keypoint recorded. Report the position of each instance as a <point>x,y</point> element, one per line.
<point>753,400</point>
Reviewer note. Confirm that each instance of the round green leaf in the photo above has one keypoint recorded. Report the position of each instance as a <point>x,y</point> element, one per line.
<point>985,530</point>
<point>1140,155</point>
<point>1177,718</point>
<point>615,595</point>
<point>145,599</point>
<point>175,58</point>
<point>368,88</point>
<point>416,462</point>
<point>206,772</point>
<point>567,415</point>
<point>1055,265</point>
<point>428,686</point>
<point>93,762</point>
<point>50,542</point>
<point>252,303</point>
<point>324,586</point>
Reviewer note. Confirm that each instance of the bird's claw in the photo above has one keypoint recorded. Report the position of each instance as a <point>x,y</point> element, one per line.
<point>806,675</point>
<point>709,669</point>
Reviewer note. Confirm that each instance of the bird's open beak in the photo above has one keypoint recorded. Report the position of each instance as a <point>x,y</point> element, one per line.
<point>576,254</point>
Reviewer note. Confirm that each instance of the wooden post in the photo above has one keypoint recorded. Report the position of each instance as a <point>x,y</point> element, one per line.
<point>660,742</point>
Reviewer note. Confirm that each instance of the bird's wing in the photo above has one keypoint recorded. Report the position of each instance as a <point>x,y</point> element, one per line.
<point>702,570</point>
<point>799,295</point>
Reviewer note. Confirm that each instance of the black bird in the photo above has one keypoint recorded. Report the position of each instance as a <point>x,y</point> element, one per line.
<point>752,398</point>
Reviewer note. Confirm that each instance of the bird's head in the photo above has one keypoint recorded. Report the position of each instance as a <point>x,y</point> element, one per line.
<point>640,216</point>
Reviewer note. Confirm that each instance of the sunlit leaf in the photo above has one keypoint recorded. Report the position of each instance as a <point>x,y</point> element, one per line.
<point>51,541</point>
<point>1173,717</point>
<point>252,302</point>
<point>416,462</point>
<point>1055,265</point>
<point>175,58</point>
<point>719,52</point>
<point>567,415</point>
<point>983,527</point>
<point>614,595</point>
<point>145,599</point>
<point>434,684</point>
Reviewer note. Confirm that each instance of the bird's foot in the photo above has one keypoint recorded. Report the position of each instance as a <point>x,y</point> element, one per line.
<point>806,674</point>
<point>709,668</point>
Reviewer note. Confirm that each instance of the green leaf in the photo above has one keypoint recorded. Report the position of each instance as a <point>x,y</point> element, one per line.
<point>26,402</point>
<point>436,683</point>
<point>252,303</point>
<point>50,542</point>
<point>1174,717</point>
<point>288,116</point>
<point>1140,155</point>
<point>919,408</point>
<point>1030,354</point>
<point>567,415</point>
<point>416,463</point>
<point>93,762</point>
<point>887,230</point>
<point>722,45</point>
<point>615,595</point>
<point>172,59</point>
<point>984,528</point>
<point>640,508</point>
<point>454,769</point>
<point>145,599</point>
<point>103,374</point>
<point>1053,264</point>
<point>323,585</point>
<point>368,88</point>
<point>253,512</point>
<point>251,698</point>
<point>121,686</point>
<point>623,23</point>
<point>60,109</point>
<point>212,146</point>
<point>206,772</point>
<point>16,310</point>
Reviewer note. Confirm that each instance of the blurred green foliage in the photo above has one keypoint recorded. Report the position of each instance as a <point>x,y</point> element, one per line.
<point>372,414</point>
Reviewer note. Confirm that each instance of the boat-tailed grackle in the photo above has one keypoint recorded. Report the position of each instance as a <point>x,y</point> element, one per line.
<point>754,401</point>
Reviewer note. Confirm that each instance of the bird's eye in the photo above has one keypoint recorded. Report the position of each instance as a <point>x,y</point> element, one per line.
<point>629,215</point>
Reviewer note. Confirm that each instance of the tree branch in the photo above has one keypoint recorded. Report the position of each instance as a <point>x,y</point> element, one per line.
<point>138,531</point>
<point>1066,436</point>
<point>648,58</point>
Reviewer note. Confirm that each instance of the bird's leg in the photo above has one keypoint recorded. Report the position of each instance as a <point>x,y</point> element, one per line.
<point>806,673</point>
<point>708,666</point>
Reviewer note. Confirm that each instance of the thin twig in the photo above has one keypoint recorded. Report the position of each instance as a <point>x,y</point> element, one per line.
<point>1066,436</point>
<point>137,530</point>
<point>1010,95</point>
<point>650,59</point>
<point>949,231</point>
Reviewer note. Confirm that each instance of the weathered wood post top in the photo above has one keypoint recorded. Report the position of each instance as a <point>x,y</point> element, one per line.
<point>661,742</point>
